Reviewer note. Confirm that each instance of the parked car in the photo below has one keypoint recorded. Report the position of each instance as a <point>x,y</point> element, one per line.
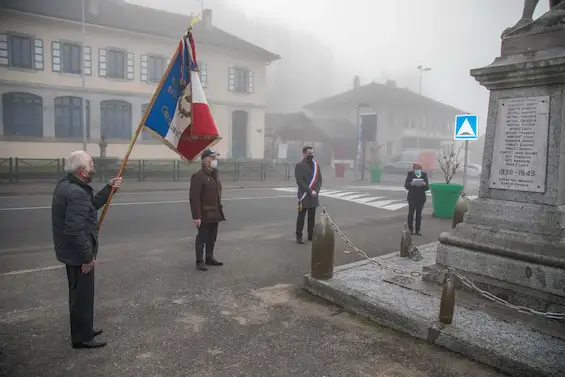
<point>474,170</point>
<point>402,163</point>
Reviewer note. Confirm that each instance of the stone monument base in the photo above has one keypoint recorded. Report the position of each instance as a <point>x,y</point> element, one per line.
<point>519,344</point>
<point>512,249</point>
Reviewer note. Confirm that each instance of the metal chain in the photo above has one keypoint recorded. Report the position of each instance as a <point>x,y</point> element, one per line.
<point>491,297</point>
<point>362,253</point>
<point>463,279</point>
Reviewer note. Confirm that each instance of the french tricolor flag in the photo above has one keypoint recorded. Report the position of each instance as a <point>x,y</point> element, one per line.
<point>179,112</point>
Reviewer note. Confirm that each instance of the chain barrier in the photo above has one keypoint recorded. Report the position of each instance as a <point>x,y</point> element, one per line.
<point>465,281</point>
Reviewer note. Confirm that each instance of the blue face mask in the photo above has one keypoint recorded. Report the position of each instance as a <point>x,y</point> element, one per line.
<point>417,172</point>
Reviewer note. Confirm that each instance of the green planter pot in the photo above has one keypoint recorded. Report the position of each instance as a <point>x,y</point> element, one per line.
<point>376,173</point>
<point>444,198</point>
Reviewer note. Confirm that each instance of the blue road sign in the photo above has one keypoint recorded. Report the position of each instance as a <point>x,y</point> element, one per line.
<point>466,127</point>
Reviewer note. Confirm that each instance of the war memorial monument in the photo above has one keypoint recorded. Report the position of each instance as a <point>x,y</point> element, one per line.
<point>507,258</point>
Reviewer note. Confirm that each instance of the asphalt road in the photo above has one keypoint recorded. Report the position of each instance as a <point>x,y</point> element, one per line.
<point>164,318</point>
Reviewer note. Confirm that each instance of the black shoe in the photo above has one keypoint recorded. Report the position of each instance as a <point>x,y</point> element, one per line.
<point>213,262</point>
<point>90,344</point>
<point>299,240</point>
<point>418,233</point>
<point>96,332</point>
<point>201,266</point>
<point>310,238</point>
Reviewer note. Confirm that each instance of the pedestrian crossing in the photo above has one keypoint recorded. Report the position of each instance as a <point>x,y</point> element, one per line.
<point>377,200</point>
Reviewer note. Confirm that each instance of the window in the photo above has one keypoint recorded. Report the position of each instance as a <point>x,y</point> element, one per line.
<point>145,133</point>
<point>115,119</point>
<point>240,81</point>
<point>72,58</point>
<point>21,51</point>
<point>68,117</point>
<point>22,115</point>
<point>156,68</point>
<point>116,64</point>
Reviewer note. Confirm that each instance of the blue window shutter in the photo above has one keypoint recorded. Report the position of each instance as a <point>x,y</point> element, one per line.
<point>87,60</point>
<point>4,58</point>
<point>56,56</point>
<point>144,68</point>
<point>231,79</point>
<point>130,73</point>
<point>102,62</point>
<point>249,82</point>
<point>38,54</point>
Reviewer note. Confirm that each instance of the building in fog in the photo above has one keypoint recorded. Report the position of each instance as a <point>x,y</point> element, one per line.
<point>406,120</point>
<point>125,53</point>
<point>287,133</point>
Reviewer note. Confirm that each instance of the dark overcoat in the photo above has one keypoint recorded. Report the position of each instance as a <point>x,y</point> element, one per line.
<point>206,196</point>
<point>303,172</point>
<point>416,194</point>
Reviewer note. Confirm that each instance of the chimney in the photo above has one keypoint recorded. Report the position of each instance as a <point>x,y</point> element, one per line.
<point>356,82</point>
<point>207,17</point>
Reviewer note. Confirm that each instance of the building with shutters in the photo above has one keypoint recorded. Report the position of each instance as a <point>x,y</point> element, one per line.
<point>125,53</point>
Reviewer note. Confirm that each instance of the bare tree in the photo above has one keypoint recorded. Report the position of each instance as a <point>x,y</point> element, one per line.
<point>449,162</point>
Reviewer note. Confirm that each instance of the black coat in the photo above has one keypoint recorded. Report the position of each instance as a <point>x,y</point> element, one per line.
<point>416,194</point>
<point>303,174</point>
<point>75,220</point>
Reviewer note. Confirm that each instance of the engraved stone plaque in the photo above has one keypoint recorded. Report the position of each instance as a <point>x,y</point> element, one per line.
<point>519,158</point>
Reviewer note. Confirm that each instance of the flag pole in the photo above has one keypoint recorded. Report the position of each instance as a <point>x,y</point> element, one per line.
<point>139,128</point>
<point>121,171</point>
<point>132,142</point>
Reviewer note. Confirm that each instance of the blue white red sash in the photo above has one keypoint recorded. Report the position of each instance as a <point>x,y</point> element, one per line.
<point>312,182</point>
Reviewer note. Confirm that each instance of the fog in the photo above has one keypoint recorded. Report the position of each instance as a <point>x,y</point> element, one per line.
<point>324,43</point>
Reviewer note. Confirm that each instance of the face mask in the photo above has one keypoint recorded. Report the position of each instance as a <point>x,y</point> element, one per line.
<point>89,175</point>
<point>417,172</point>
<point>310,157</point>
<point>214,164</point>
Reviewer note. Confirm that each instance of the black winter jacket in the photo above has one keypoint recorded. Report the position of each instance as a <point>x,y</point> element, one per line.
<point>416,194</point>
<point>75,220</point>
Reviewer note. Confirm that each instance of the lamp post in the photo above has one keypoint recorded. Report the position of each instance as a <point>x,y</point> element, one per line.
<point>83,102</point>
<point>422,69</point>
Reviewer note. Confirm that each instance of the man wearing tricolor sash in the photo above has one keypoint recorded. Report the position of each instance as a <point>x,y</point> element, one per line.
<point>309,180</point>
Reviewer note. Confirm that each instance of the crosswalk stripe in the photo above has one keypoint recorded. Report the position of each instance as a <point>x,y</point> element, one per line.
<point>367,199</point>
<point>381,203</point>
<point>395,206</point>
<point>364,198</point>
<point>338,195</point>
<point>353,197</point>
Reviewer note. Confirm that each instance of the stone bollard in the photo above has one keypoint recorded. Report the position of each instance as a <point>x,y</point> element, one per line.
<point>405,241</point>
<point>323,243</point>
<point>460,208</point>
<point>447,303</point>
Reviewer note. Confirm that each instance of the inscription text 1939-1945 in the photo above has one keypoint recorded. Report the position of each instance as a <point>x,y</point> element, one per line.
<point>520,144</point>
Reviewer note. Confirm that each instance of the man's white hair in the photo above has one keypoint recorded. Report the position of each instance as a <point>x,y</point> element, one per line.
<point>77,160</point>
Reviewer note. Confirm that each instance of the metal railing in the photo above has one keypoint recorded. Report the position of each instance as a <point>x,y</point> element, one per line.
<point>17,170</point>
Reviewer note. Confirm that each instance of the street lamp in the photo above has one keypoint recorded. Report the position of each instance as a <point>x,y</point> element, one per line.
<point>422,69</point>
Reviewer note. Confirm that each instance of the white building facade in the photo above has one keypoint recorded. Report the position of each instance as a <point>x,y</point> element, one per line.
<point>125,52</point>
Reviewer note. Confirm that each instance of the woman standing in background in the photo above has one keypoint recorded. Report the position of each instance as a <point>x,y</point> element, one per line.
<point>417,184</point>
